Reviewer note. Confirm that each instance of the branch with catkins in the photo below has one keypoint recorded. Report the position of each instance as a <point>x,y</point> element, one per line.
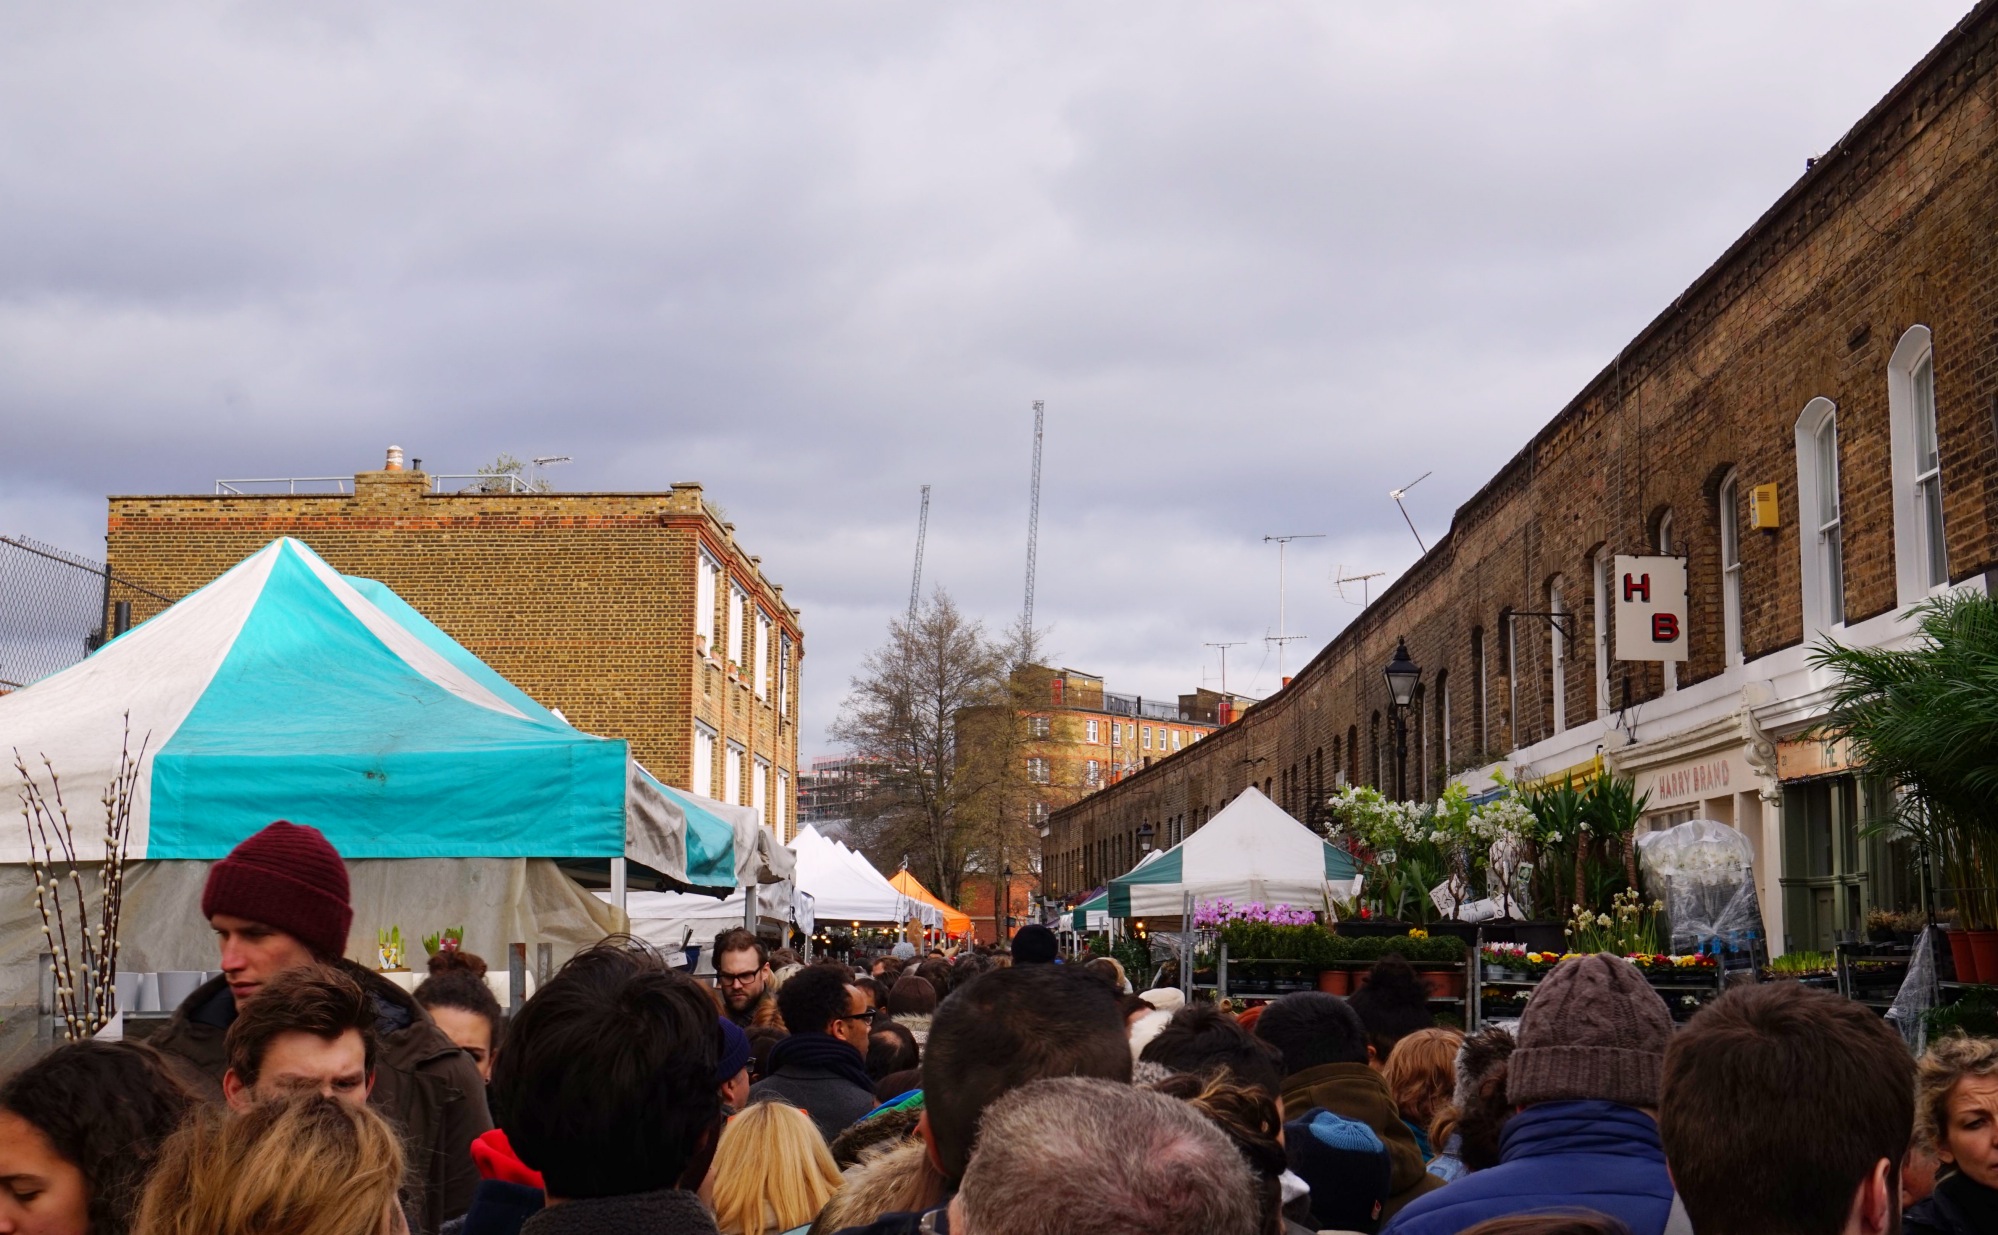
<point>85,966</point>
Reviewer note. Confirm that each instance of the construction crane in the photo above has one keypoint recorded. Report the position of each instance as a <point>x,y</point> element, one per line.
<point>1033,519</point>
<point>916,579</point>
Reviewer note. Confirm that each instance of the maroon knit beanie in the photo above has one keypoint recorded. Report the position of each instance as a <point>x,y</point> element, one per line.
<point>286,877</point>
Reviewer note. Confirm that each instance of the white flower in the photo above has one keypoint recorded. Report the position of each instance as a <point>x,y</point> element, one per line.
<point>1602,919</point>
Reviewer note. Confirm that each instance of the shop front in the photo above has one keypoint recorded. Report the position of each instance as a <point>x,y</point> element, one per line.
<point>1841,861</point>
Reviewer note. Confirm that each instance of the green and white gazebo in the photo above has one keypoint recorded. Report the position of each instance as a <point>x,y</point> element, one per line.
<point>1253,851</point>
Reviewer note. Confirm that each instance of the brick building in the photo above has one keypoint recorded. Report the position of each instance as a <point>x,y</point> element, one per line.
<point>1082,737</point>
<point>1841,358</point>
<point>636,614</point>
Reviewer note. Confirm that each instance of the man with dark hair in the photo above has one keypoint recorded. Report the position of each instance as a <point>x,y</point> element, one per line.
<point>1202,1039</point>
<point>1034,944</point>
<point>311,1030</point>
<point>996,1033</point>
<point>1585,1077</point>
<point>1393,1002</point>
<point>822,1066</point>
<point>607,1087</point>
<point>279,902</point>
<point>1786,1112</point>
<point>1326,1069</point>
<point>742,974</point>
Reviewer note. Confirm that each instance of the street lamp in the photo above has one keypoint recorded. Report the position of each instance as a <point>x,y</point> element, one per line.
<point>1145,834</point>
<point>1006,923</point>
<point>1403,676</point>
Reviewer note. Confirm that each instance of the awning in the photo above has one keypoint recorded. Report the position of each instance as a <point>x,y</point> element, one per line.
<point>955,921</point>
<point>1251,852</point>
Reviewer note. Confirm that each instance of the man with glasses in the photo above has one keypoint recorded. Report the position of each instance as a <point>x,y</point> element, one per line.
<point>742,974</point>
<point>821,1067</point>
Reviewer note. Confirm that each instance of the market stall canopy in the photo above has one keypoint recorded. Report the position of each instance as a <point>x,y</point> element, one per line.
<point>1092,914</point>
<point>955,921</point>
<point>845,887</point>
<point>1252,851</point>
<point>284,690</point>
<point>673,920</point>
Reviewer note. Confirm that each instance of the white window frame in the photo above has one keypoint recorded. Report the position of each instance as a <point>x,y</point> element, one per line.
<point>1557,658</point>
<point>1727,516</point>
<point>762,673</point>
<point>1092,728</point>
<point>1116,733</point>
<point>1666,547</point>
<point>1037,769</point>
<point>759,787</point>
<point>1820,541</point>
<point>1144,737</point>
<point>702,780</point>
<point>1040,727</point>
<point>783,675</point>
<point>1175,739</point>
<point>738,606</point>
<point>732,774</point>
<point>779,808</point>
<point>1599,587</point>
<point>1921,547</point>
<point>706,571</point>
<point>1092,773</point>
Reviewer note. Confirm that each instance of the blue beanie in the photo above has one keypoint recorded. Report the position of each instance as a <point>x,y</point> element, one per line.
<point>1346,1165</point>
<point>734,1051</point>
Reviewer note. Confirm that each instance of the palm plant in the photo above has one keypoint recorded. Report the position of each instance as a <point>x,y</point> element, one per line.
<point>1926,719</point>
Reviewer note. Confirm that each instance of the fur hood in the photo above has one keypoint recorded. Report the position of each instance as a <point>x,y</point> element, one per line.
<point>894,1178</point>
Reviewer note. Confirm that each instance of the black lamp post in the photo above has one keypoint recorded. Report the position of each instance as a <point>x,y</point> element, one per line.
<point>1006,922</point>
<point>1145,835</point>
<point>1403,675</point>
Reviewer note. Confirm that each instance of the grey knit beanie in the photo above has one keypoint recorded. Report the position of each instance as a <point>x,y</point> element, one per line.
<point>1594,1029</point>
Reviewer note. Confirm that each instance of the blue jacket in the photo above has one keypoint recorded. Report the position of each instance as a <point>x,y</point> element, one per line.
<point>1558,1155</point>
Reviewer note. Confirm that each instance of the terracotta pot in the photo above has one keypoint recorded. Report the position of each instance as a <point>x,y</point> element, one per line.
<point>1959,951</point>
<point>1335,981</point>
<point>1984,950</point>
<point>1445,983</point>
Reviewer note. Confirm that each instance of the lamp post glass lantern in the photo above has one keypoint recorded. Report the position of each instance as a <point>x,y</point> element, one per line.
<point>1403,676</point>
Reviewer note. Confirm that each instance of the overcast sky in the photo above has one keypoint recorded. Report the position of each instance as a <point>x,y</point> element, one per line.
<point>1263,262</point>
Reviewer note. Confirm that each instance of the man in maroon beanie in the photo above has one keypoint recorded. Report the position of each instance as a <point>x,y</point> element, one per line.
<point>279,902</point>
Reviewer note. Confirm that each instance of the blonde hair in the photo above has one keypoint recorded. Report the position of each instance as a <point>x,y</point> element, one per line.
<point>307,1165</point>
<point>1947,1061</point>
<point>1421,1072</point>
<point>772,1171</point>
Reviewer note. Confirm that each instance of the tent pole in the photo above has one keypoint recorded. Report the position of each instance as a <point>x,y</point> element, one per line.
<point>1186,947</point>
<point>619,888</point>
<point>749,908</point>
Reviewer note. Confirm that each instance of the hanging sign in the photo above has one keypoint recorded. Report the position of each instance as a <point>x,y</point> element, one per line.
<point>1650,598</point>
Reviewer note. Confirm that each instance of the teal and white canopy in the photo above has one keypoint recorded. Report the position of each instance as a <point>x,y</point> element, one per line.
<point>285,690</point>
<point>1253,851</point>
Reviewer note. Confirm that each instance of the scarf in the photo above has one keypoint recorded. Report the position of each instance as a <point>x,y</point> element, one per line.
<point>824,1052</point>
<point>1977,1203</point>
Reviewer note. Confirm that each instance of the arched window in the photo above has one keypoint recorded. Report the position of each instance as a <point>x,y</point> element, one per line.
<point>1665,546</point>
<point>1418,759</point>
<point>1557,657</point>
<point>1727,520</point>
<point>1479,721</point>
<point>1921,552</point>
<point>1380,764</point>
<point>1599,602</point>
<point>1353,754</point>
<point>1442,730</point>
<point>1508,669</point>
<point>1820,529</point>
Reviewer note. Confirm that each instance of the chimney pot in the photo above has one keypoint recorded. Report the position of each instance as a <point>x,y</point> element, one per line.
<point>394,463</point>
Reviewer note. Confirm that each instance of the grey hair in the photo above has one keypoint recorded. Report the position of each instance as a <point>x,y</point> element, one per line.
<point>1083,1154</point>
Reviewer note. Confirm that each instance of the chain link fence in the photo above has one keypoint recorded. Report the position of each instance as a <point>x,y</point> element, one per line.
<point>54,608</point>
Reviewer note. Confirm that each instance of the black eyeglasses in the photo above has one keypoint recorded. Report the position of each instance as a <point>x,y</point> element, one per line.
<point>735,979</point>
<point>870,1016</point>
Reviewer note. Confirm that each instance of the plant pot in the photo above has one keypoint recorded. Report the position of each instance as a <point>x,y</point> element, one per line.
<point>1984,950</point>
<point>1959,952</point>
<point>1335,981</point>
<point>1444,983</point>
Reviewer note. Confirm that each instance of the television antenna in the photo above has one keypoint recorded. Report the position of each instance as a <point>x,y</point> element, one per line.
<point>1342,578</point>
<point>541,461</point>
<point>1397,494</point>
<point>1224,661</point>
<point>1280,638</point>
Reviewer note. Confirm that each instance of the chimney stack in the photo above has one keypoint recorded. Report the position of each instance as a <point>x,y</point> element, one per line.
<point>394,463</point>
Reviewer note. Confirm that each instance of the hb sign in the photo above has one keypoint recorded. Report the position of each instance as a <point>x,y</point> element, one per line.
<point>1650,598</point>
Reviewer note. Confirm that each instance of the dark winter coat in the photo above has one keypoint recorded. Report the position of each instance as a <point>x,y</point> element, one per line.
<point>424,1084</point>
<point>821,1075</point>
<point>1958,1206</point>
<point>1355,1091</point>
<point>1602,1156</point>
<point>673,1212</point>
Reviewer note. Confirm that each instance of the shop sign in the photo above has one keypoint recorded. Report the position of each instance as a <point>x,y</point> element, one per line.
<point>1813,757</point>
<point>1717,776</point>
<point>1650,597</point>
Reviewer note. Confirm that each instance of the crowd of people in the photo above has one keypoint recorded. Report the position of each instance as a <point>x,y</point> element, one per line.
<point>976,1094</point>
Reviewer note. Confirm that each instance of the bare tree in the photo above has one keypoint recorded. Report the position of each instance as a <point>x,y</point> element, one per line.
<point>903,717</point>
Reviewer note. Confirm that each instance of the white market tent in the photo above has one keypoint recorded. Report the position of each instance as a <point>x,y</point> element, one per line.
<point>1253,851</point>
<point>845,887</point>
<point>670,920</point>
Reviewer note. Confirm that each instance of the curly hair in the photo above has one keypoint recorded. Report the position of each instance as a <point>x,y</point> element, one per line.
<point>1947,1061</point>
<point>1248,1114</point>
<point>1421,1074</point>
<point>106,1108</point>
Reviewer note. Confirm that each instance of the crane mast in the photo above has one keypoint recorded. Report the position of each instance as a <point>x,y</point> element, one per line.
<point>1034,517</point>
<point>916,579</point>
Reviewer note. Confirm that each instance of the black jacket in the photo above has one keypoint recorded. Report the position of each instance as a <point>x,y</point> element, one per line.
<point>424,1084</point>
<point>1958,1206</point>
<point>673,1212</point>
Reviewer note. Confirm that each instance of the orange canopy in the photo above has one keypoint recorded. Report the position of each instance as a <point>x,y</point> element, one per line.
<point>956,921</point>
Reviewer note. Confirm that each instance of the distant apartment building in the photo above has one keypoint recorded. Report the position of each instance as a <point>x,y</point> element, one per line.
<point>638,615</point>
<point>834,791</point>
